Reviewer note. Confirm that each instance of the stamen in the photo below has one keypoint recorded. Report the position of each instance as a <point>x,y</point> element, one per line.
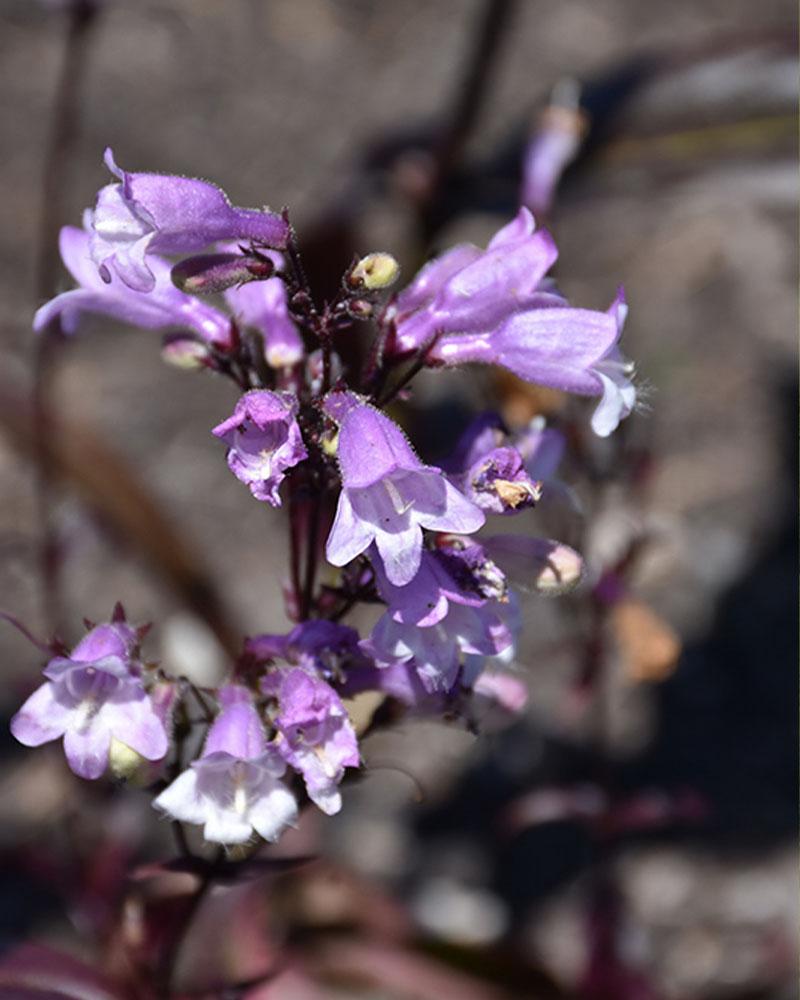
<point>394,495</point>
<point>328,768</point>
<point>240,799</point>
<point>240,791</point>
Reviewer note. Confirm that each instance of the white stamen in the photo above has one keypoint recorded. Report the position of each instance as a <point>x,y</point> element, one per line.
<point>394,495</point>
<point>240,798</point>
<point>327,767</point>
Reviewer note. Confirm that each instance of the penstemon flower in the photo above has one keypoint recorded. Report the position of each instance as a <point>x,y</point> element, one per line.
<point>492,307</point>
<point>388,496</point>
<point>263,306</point>
<point>92,698</point>
<point>436,623</point>
<point>154,213</point>
<point>315,735</point>
<point>469,290</point>
<point>163,308</point>
<point>234,789</point>
<point>263,441</point>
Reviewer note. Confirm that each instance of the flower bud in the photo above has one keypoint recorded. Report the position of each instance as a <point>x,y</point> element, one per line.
<point>185,352</point>
<point>536,565</point>
<point>360,308</point>
<point>560,571</point>
<point>374,272</point>
<point>208,274</point>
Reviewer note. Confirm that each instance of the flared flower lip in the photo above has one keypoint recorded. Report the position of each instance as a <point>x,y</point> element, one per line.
<point>262,407</point>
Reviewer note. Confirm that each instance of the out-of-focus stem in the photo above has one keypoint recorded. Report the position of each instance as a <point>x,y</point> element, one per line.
<point>169,959</point>
<point>62,131</point>
<point>419,363</point>
<point>294,542</point>
<point>64,116</point>
<point>467,104</point>
<point>312,543</point>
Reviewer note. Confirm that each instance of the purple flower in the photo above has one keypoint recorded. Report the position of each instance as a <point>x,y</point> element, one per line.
<point>324,647</point>
<point>491,472</point>
<point>441,615</point>
<point>472,291</point>
<point>263,440</point>
<point>552,147</point>
<point>316,736</point>
<point>499,483</point>
<point>437,651</point>
<point>262,305</point>
<point>388,496</point>
<point>426,599</point>
<point>156,213</point>
<point>92,697</point>
<point>234,788</point>
<point>494,307</point>
<point>548,342</point>
<point>165,306</point>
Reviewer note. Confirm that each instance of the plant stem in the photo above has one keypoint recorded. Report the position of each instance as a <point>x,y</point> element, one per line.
<point>419,363</point>
<point>169,959</point>
<point>62,130</point>
<point>294,540</point>
<point>490,28</point>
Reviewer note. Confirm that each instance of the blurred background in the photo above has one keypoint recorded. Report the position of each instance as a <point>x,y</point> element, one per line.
<point>630,836</point>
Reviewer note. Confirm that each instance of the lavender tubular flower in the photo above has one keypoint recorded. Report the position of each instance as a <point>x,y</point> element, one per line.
<point>490,472</point>
<point>553,146</point>
<point>445,616</point>
<point>156,213</point>
<point>471,290</point>
<point>388,496</point>
<point>316,736</point>
<point>437,651</point>
<point>319,646</point>
<point>264,440</point>
<point>426,599</point>
<point>93,697</point>
<point>164,307</point>
<point>263,306</point>
<point>234,789</point>
<point>573,350</point>
<point>492,307</point>
<point>499,483</point>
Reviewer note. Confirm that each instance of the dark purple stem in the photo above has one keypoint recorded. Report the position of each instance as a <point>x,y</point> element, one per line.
<point>294,540</point>
<point>420,362</point>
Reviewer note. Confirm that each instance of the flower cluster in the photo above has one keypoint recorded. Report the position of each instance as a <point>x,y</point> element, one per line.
<point>225,286</point>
